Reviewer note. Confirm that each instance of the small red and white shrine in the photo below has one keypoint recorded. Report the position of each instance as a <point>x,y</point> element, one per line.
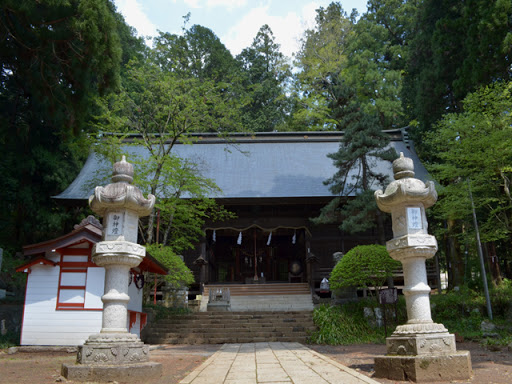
<point>64,287</point>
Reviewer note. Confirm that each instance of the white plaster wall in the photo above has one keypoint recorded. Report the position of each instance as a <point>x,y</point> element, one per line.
<point>135,327</point>
<point>43,324</point>
<point>135,303</point>
<point>95,287</point>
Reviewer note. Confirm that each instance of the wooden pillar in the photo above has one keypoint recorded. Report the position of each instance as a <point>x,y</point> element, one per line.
<point>311,260</point>
<point>237,264</point>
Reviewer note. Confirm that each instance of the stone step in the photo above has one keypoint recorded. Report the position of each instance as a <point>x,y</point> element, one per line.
<point>223,340</point>
<point>232,327</point>
<point>261,289</point>
<point>173,335</point>
<point>240,316</point>
<point>272,302</point>
<point>201,331</point>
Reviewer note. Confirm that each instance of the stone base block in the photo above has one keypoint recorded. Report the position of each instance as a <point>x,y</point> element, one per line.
<point>113,353</point>
<point>136,373</point>
<point>421,344</point>
<point>425,368</point>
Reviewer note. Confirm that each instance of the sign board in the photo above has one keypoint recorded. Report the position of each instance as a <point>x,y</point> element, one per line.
<point>388,296</point>
<point>414,218</point>
<point>115,224</point>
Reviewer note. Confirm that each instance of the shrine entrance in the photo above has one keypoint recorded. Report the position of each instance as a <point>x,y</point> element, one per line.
<point>256,255</point>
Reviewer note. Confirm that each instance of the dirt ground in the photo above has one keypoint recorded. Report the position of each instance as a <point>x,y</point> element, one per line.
<point>489,367</point>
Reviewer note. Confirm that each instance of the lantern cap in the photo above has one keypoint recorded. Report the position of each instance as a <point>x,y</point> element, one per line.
<point>123,172</point>
<point>120,195</point>
<point>405,189</point>
<point>403,167</point>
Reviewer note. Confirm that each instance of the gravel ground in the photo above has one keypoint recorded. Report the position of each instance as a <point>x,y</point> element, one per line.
<point>489,367</point>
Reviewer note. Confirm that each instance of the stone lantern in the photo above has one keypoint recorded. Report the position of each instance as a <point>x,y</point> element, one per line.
<point>115,353</point>
<point>419,350</point>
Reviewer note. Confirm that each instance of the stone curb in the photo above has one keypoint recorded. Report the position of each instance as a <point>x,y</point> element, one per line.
<point>42,348</point>
<point>57,348</point>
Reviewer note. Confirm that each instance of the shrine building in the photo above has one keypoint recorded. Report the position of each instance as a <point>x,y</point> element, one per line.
<point>274,183</point>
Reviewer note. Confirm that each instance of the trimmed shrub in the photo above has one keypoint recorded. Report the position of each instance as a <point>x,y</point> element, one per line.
<point>363,266</point>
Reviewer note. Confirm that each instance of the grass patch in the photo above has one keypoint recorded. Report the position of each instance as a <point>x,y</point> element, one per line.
<point>461,312</point>
<point>344,325</point>
<point>10,339</point>
<point>162,312</point>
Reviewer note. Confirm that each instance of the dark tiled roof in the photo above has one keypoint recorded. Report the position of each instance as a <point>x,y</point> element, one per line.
<point>265,165</point>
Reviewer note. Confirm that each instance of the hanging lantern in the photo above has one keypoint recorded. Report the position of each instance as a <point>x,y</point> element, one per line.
<point>239,240</point>
<point>269,239</point>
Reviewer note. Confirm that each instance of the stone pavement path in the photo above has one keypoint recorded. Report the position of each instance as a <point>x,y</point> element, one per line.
<point>273,363</point>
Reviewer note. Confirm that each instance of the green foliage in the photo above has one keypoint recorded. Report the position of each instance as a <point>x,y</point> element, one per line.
<point>162,312</point>
<point>459,311</point>
<point>15,281</point>
<point>322,61</point>
<point>343,325</point>
<point>458,47</point>
<point>476,146</point>
<point>363,266</point>
<point>264,76</point>
<point>197,52</point>
<point>10,339</point>
<point>463,311</point>
<point>348,87</point>
<point>501,302</point>
<point>56,58</point>
<point>162,108</point>
<point>179,274</point>
<point>378,56</point>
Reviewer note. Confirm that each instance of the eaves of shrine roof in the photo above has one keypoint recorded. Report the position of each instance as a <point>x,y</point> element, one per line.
<point>259,165</point>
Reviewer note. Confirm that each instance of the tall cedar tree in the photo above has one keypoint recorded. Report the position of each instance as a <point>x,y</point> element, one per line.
<point>323,61</point>
<point>198,52</point>
<point>458,47</point>
<point>265,73</point>
<point>331,90</point>
<point>56,57</point>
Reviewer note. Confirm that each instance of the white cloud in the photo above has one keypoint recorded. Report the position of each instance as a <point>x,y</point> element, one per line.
<point>192,3</point>
<point>309,15</point>
<point>230,4</point>
<point>287,29</point>
<point>135,16</point>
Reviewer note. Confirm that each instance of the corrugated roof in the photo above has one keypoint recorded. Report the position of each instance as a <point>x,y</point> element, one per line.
<point>266,165</point>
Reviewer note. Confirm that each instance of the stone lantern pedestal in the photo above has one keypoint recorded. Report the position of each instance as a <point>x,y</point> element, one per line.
<point>115,353</point>
<point>419,350</point>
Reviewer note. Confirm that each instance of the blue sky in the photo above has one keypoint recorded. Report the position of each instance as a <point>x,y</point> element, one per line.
<point>235,22</point>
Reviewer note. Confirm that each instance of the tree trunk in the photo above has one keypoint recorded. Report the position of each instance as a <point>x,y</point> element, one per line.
<point>456,260</point>
<point>149,231</point>
<point>492,263</point>
<point>168,230</point>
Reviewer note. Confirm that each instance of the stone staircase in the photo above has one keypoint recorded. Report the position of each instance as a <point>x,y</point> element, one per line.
<point>265,297</point>
<point>230,327</point>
